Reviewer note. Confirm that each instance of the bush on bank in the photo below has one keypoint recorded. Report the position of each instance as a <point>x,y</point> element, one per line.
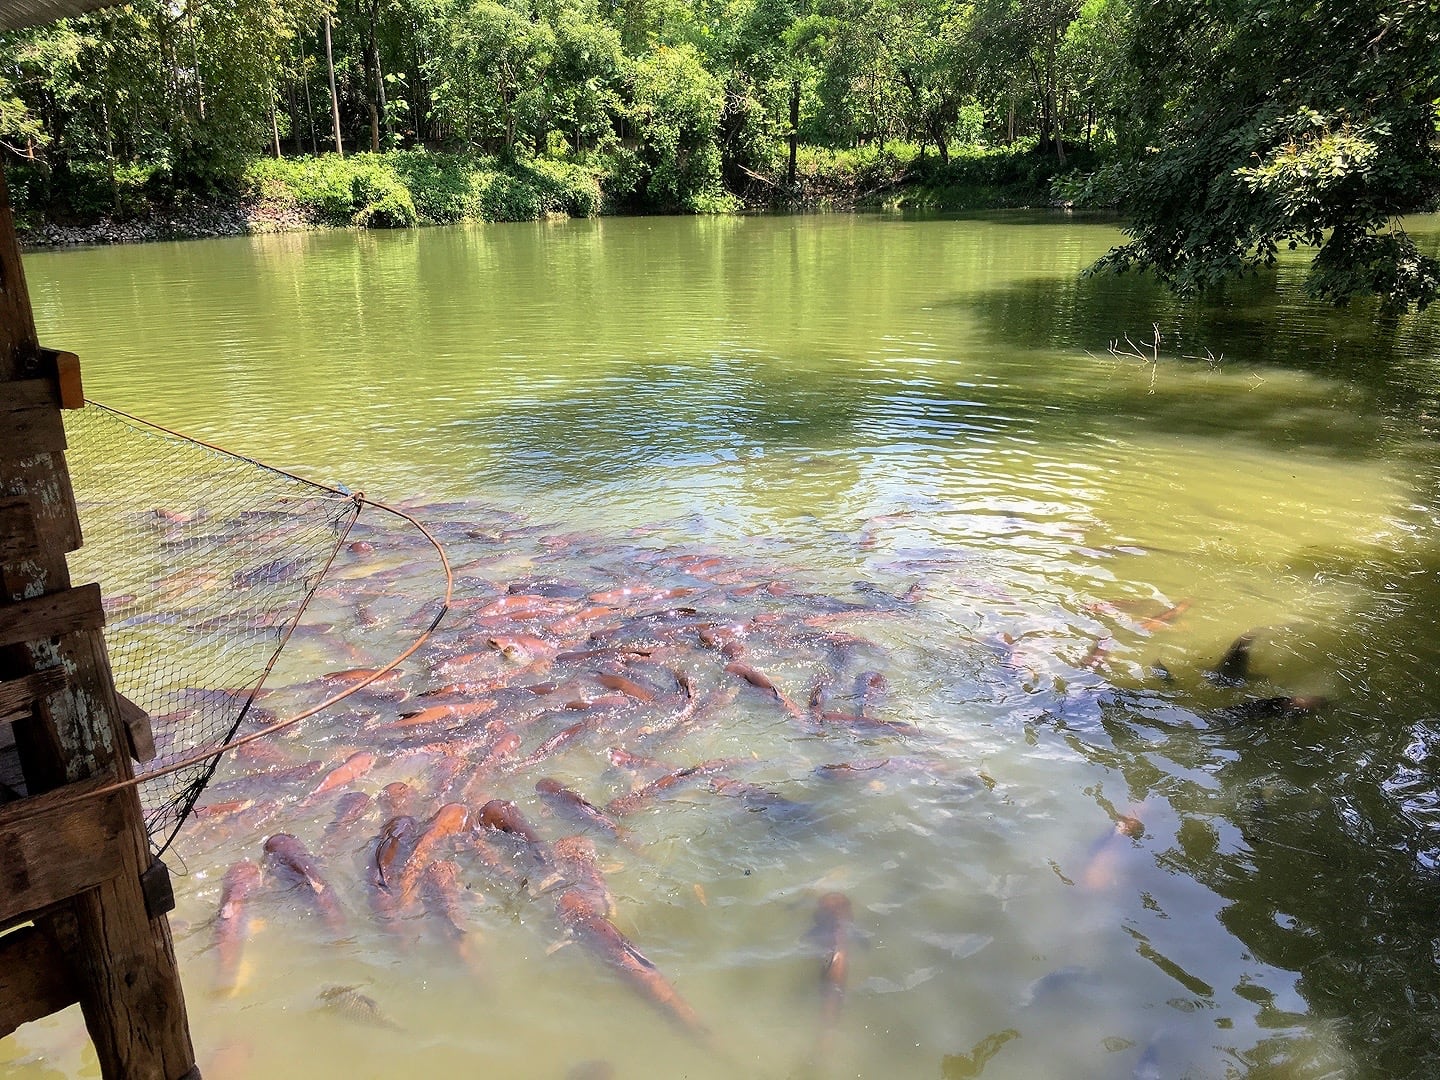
<point>411,187</point>
<point>974,177</point>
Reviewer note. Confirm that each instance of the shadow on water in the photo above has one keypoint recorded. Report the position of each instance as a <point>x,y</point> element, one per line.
<point>1265,321</point>
<point>1321,832</point>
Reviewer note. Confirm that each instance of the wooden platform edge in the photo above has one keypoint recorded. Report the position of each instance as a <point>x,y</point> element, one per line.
<point>51,615</point>
<point>56,847</point>
<point>18,536</point>
<point>35,978</point>
<point>67,377</point>
<point>18,696</point>
<point>137,728</point>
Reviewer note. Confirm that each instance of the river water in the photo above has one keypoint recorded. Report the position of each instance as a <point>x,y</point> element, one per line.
<point>1093,859</point>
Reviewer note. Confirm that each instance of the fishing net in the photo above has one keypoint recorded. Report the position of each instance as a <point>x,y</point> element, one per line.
<point>207,560</point>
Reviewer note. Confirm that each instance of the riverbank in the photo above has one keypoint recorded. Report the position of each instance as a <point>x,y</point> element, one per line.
<point>403,189</point>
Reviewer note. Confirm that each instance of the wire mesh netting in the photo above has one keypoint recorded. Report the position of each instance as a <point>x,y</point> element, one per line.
<point>205,559</point>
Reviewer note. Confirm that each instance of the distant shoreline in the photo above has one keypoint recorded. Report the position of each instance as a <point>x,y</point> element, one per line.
<point>410,189</point>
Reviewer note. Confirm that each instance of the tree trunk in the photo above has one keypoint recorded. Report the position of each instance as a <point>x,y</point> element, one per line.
<point>334,96</point>
<point>309,106</point>
<point>1043,96</point>
<point>377,79</point>
<point>274,124</point>
<point>294,111</point>
<point>195,59</point>
<point>1052,108</point>
<point>794,131</point>
<point>109,155</point>
<point>419,95</point>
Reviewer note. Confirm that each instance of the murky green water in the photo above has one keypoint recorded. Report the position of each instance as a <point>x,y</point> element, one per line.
<point>923,412</point>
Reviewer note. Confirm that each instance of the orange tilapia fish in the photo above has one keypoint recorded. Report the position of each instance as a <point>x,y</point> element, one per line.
<point>628,804</point>
<point>349,809</point>
<point>1103,868</point>
<point>397,799</point>
<point>450,819</point>
<point>549,746</point>
<point>1166,617</point>
<point>624,759</point>
<point>759,679</point>
<point>350,770</point>
<point>501,742</point>
<point>522,648</point>
<point>598,935</point>
<point>575,805</point>
<point>392,850</point>
<point>870,686</point>
<point>858,721</point>
<point>627,686</point>
<point>505,816</point>
<point>441,889</point>
<point>831,930</point>
<point>290,861</point>
<point>232,924</point>
<point>575,863</point>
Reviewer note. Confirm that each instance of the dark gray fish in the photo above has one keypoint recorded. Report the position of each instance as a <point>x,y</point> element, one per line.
<point>1282,707</point>
<point>1234,667</point>
<point>277,570</point>
<point>349,1002</point>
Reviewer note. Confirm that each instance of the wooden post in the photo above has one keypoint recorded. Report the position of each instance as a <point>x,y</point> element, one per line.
<point>121,960</point>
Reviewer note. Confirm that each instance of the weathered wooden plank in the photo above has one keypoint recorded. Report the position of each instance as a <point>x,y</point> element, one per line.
<point>18,538</point>
<point>35,978</point>
<point>51,615</point>
<point>67,377</point>
<point>43,479</point>
<point>134,1008</point>
<point>124,961</point>
<point>137,727</point>
<point>18,696</point>
<point>25,432</point>
<point>23,395</point>
<point>56,848</point>
<point>17,320</point>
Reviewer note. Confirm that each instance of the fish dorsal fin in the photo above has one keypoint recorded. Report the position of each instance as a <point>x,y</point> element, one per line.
<point>636,955</point>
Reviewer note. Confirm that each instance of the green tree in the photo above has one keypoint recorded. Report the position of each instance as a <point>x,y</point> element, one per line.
<point>488,68</point>
<point>675,110</point>
<point>1015,41</point>
<point>1260,125</point>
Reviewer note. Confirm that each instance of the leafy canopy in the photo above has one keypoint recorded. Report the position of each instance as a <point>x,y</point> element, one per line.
<point>1264,123</point>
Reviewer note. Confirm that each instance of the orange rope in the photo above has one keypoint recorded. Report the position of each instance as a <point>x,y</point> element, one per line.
<point>202,756</point>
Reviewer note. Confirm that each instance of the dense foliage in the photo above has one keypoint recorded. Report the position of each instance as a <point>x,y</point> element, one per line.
<point>1261,123</point>
<point>1226,129</point>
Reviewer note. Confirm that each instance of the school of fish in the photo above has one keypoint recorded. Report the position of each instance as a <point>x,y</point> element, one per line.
<point>557,708</point>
